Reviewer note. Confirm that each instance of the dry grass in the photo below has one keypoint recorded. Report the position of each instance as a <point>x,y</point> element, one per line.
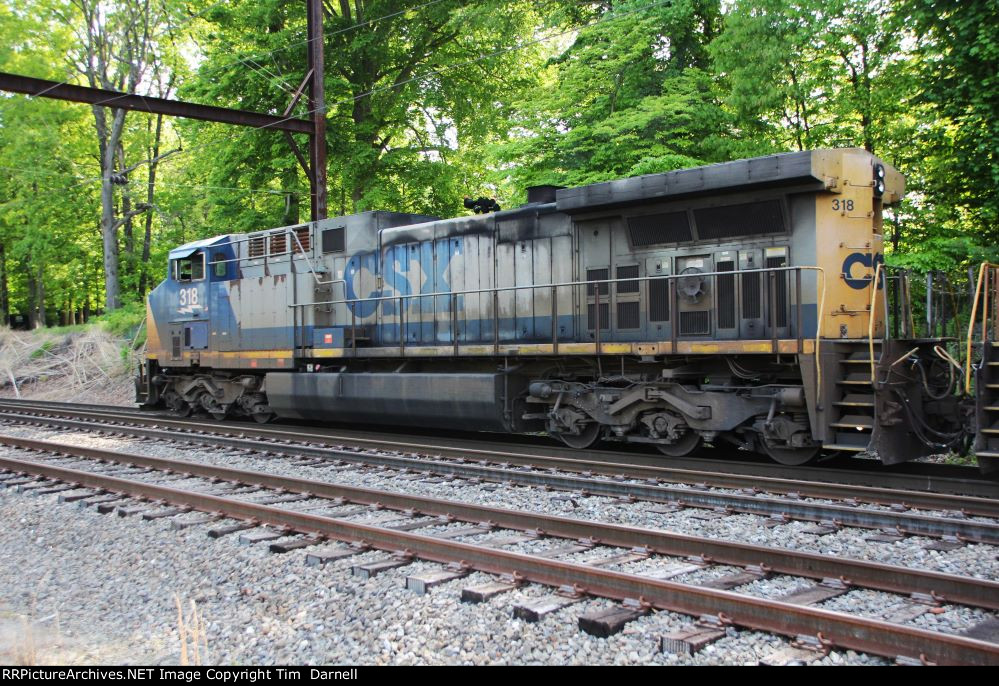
<point>193,640</point>
<point>81,366</point>
<point>25,651</point>
<point>27,642</point>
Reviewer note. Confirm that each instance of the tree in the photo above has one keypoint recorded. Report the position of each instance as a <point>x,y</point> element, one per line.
<point>118,46</point>
<point>412,89</point>
<point>959,76</point>
<point>632,94</point>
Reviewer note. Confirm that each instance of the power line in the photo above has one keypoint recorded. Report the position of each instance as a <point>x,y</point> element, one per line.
<point>326,34</point>
<point>51,173</point>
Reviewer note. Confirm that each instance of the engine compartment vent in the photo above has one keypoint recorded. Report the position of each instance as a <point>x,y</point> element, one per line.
<point>695,323</point>
<point>746,219</point>
<point>657,229</point>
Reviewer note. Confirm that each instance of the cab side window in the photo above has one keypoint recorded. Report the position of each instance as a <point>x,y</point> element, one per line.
<point>190,268</point>
<point>220,264</point>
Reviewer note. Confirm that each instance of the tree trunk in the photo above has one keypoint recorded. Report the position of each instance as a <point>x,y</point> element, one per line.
<point>108,143</point>
<point>40,298</point>
<point>291,202</point>
<point>126,209</point>
<point>4,293</point>
<point>150,188</point>
<point>29,286</point>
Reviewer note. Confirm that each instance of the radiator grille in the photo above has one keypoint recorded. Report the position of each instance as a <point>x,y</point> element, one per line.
<point>695,322</point>
<point>628,315</point>
<point>656,229</point>
<point>629,272</point>
<point>257,246</point>
<point>726,296</point>
<point>597,275</point>
<point>304,242</point>
<point>279,243</point>
<point>659,300</point>
<point>747,219</point>
<point>604,316</point>
<point>781,289</point>
<point>175,348</point>
<point>751,296</point>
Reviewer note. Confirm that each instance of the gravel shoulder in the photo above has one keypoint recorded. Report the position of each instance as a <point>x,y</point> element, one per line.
<point>111,584</point>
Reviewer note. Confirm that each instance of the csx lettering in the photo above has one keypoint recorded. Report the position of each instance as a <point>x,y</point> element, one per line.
<point>864,259</point>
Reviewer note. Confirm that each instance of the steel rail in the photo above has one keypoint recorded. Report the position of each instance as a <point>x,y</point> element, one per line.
<point>841,515</point>
<point>931,477</point>
<point>945,587</point>
<point>971,505</point>
<point>832,628</point>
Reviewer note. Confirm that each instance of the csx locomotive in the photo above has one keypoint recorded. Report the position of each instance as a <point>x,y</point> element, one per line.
<point>743,303</point>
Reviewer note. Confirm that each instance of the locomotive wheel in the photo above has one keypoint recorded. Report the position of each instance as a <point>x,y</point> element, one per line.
<point>687,444</point>
<point>262,417</point>
<point>791,457</point>
<point>177,405</point>
<point>584,439</point>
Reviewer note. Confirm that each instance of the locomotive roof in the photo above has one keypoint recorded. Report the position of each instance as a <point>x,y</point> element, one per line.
<point>192,247</point>
<point>809,168</point>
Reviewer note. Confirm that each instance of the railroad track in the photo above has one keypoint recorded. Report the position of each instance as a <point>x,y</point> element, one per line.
<point>914,476</point>
<point>954,519</point>
<point>519,547</point>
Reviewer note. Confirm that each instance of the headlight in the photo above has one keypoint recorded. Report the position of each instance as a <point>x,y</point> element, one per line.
<point>879,180</point>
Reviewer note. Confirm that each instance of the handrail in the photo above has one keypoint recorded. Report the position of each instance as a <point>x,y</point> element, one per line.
<point>982,271</point>
<point>564,284</point>
<point>293,254</point>
<point>494,291</point>
<point>870,323</point>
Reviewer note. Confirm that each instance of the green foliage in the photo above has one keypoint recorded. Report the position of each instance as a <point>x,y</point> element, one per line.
<point>42,349</point>
<point>959,78</point>
<point>427,103</point>
<point>633,94</point>
<point>125,321</point>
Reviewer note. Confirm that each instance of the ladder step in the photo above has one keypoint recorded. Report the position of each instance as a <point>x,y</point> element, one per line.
<point>864,360</point>
<point>850,448</point>
<point>866,425</point>
<point>991,408</point>
<point>867,382</point>
<point>855,400</point>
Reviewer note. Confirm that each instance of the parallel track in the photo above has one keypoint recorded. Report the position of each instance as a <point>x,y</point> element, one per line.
<point>782,498</point>
<point>640,592</point>
<point>912,476</point>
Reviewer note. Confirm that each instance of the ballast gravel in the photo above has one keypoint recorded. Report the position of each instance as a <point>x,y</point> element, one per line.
<point>114,583</point>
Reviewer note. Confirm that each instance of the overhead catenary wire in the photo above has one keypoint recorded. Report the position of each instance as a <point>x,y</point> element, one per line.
<point>97,179</point>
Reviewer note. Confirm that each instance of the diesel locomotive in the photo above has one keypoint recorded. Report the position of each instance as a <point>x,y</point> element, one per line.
<point>744,303</point>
